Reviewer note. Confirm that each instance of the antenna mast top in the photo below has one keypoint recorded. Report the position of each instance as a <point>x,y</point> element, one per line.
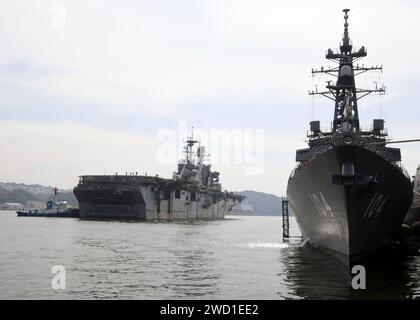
<point>346,46</point>
<point>344,92</point>
<point>190,143</point>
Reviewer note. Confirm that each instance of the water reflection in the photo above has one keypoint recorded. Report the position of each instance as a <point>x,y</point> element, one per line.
<point>312,274</point>
<point>241,258</point>
<point>390,277</point>
<point>195,271</point>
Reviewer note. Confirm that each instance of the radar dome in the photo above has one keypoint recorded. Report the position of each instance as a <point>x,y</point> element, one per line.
<point>345,71</point>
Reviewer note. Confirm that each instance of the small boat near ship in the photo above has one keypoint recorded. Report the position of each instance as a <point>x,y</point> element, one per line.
<point>54,208</point>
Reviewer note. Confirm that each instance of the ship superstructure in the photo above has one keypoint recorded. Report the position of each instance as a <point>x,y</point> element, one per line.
<point>194,192</point>
<point>349,191</point>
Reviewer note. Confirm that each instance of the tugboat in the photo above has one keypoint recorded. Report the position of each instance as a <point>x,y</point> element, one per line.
<point>349,192</point>
<point>194,192</point>
<point>54,208</point>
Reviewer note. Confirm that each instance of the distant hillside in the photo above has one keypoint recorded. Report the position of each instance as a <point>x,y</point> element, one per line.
<point>16,196</point>
<point>22,193</point>
<point>4,195</point>
<point>37,190</point>
<point>263,204</point>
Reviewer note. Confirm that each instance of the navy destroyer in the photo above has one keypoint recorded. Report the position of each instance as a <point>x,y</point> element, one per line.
<point>194,192</point>
<point>349,192</point>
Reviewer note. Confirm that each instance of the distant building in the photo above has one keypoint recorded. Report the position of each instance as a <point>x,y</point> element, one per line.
<point>35,204</point>
<point>10,206</point>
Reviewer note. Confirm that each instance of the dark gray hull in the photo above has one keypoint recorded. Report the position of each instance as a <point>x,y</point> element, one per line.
<point>350,221</point>
<point>413,215</point>
<point>108,204</point>
<point>72,213</point>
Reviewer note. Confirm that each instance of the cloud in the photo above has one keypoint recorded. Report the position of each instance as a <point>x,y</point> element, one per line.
<point>127,69</point>
<point>57,153</point>
<point>155,58</point>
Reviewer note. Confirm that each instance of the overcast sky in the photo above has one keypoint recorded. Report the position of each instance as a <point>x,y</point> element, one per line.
<point>87,86</point>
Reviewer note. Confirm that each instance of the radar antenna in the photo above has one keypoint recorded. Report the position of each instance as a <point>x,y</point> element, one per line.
<point>344,92</point>
<point>190,142</point>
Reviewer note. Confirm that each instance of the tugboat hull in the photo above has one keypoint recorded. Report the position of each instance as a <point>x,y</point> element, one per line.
<point>350,220</point>
<point>71,213</point>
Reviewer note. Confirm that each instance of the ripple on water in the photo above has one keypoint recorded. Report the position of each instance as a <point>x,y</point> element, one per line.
<point>238,258</point>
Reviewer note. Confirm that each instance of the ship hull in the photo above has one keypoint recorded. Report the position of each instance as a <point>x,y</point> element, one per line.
<point>413,214</point>
<point>72,213</point>
<point>111,204</point>
<point>349,221</point>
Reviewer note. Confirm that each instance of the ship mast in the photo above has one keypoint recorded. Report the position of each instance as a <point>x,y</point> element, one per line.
<point>190,142</point>
<point>344,92</point>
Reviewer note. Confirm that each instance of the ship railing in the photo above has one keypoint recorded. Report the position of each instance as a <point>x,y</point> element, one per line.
<point>368,131</point>
<point>292,174</point>
<point>381,150</point>
<point>362,49</point>
<point>404,170</point>
<point>384,153</point>
<point>322,146</point>
<point>121,179</point>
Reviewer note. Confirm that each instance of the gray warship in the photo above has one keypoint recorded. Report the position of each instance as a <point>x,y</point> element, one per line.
<point>349,191</point>
<point>414,212</point>
<point>194,192</point>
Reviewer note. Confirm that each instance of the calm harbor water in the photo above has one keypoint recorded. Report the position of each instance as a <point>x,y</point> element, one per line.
<point>237,258</point>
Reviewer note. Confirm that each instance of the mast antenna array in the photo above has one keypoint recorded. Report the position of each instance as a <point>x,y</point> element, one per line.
<point>190,142</point>
<point>344,93</point>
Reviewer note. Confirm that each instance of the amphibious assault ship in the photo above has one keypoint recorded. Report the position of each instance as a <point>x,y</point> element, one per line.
<point>349,192</point>
<point>194,192</point>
